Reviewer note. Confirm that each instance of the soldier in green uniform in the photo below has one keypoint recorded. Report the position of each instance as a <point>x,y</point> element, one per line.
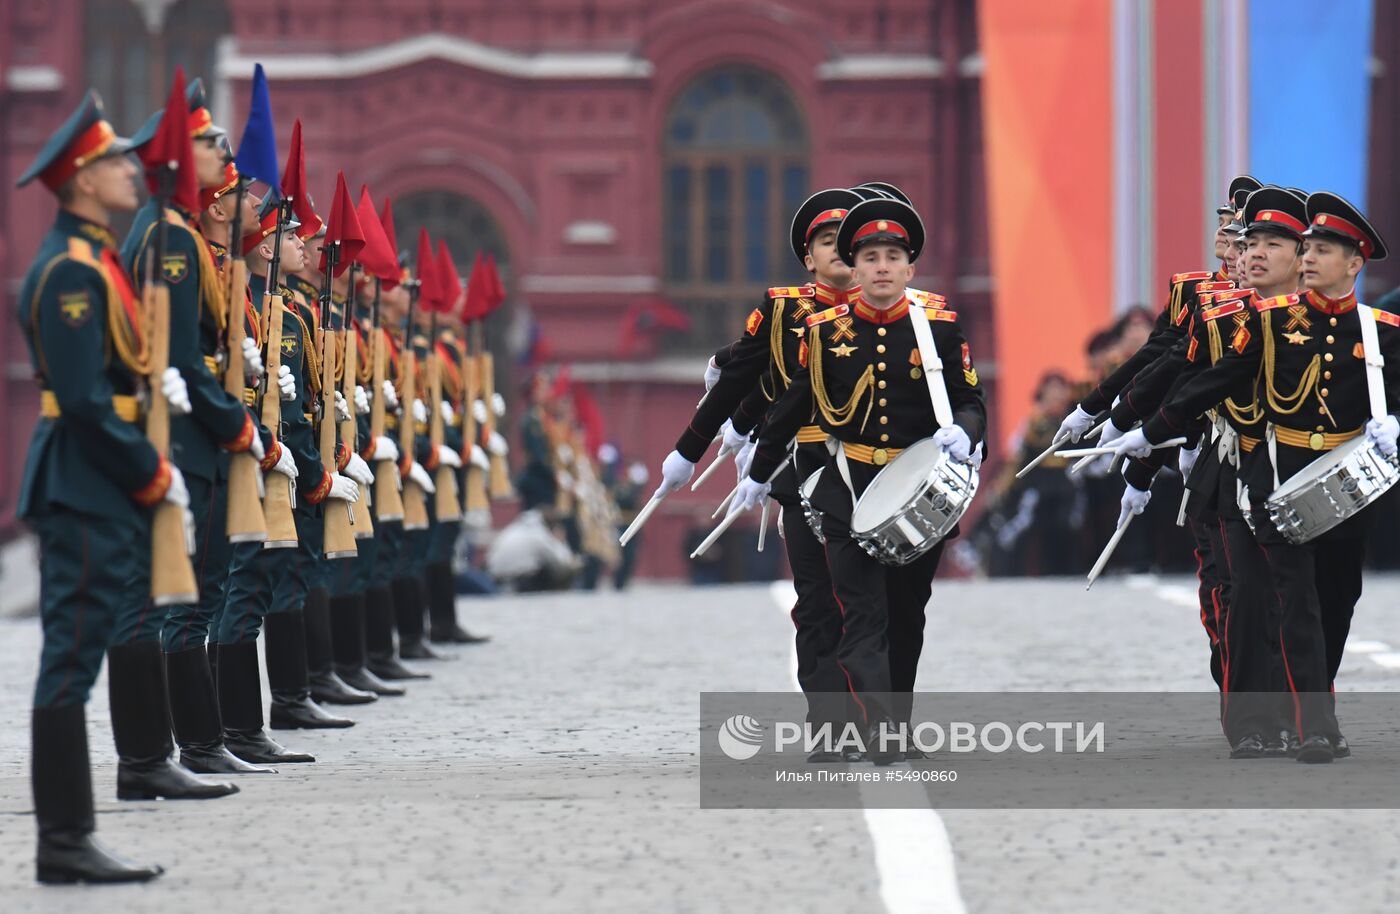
<point>90,477</point>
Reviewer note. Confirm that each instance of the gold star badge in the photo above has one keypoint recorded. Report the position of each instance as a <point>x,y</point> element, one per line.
<point>844,350</point>
<point>798,330</point>
<point>1297,337</point>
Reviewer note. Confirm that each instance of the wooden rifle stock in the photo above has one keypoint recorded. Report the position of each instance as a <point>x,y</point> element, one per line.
<point>246,523</point>
<point>415,502</point>
<point>335,514</point>
<point>500,471</point>
<point>277,498</point>
<point>477,499</point>
<point>172,573</point>
<point>350,431</point>
<point>447,502</point>
<point>388,503</point>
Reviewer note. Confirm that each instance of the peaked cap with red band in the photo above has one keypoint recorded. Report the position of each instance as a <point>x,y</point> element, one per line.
<point>1333,215</point>
<point>885,221</point>
<point>825,207</point>
<point>82,139</point>
<point>267,224</point>
<point>1276,210</point>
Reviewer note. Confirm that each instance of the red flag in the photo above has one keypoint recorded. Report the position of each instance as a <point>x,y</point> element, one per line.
<point>386,222</point>
<point>294,186</point>
<point>427,274</point>
<point>170,149</point>
<point>474,304</point>
<point>379,260</point>
<point>343,229</point>
<point>449,281</point>
<point>642,322</point>
<point>495,292</point>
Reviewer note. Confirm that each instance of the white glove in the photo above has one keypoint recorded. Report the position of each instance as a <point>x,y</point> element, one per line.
<point>344,488</point>
<point>391,398</point>
<point>751,494</point>
<point>359,471</point>
<point>385,449</point>
<point>285,464</point>
<point>420,411</point>
<point>1134,502</point>
<point>177,493</point>
<point>1130,444</point>
<point>566,482</point>
<point>564,453</point>
<point>176,394</point>
<point>287,384</point>
<point>417,474</point>
<point>497,445</point>
<point>675,472</point>
<point>1075,425</point>
<point>744,459</point>
<point>257,449</point>
<point>448,413</point>
<point>1382,433</point>
<point>955,441</point>
<point>449,457</point>
<point>711,373</point>
<point>1186,460</point>
<point>479,458</point>
<point>361,400</point>
<point>252,361</point>
<point>732,440</point>
<point>479,412</point>
<point>342,409</point>
<point>1110,434</point>
<point>1099,466</point>
<point>498,404</point>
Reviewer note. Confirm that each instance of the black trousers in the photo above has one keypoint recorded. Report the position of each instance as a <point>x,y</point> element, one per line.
<point>1213,590</point>
<point>816,620</point>
<point>882,609</point>
<point>1254,678</point>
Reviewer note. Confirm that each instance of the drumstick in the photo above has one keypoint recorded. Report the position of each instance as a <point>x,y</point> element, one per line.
<point>763,525</point>
<point>642,516</point>
<point>1044,455</point>
<point>732,516</point>
<point>1108,552</point>
<point>709,470</point>
<point>1091,433</point>
<point>1087,454</point>
<point>1181,512</point>
<point>724,504</point>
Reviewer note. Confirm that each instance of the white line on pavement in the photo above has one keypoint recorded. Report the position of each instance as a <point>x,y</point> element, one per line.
<point>912,852</point>
<point>1367,647</point>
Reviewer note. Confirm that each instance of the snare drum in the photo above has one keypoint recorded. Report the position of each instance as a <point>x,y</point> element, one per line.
<point>913,503</point>
<point>814,517</point>
<point>1332,489</point>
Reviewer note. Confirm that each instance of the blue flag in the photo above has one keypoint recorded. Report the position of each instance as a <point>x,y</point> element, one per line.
<point>257,152</point>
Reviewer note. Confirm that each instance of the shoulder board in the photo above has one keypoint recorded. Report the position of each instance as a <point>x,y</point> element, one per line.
<point>1278,301</point>
<point>930,300</point>
<point>81,250</point>
<point>1386,317</point>
<point>1191,277</point>
<point>821,317</point>
<point>1215,286</point>
<point>941,314</point>
<point>791,291</point>
<point>1223,310</point>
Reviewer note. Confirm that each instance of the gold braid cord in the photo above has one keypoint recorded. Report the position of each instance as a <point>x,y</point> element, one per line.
<point>1287,404</point>
<point>1174,307</point>
<point>211,288</point>
<point>838,415</point>
<point>775,344</point>
<point>1243,415</point>
<point>308,352</point>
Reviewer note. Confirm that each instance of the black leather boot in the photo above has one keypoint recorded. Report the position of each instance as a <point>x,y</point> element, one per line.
<point>381,658</point>
<point>442,607</point>
<point>348,643</point>
<point>326,686</point>
<point>194,711</point>
<point>240,700</point>
<point>141,730</point>
<point>67,851</point>
<point>408,617</point>
<point>292,707</point>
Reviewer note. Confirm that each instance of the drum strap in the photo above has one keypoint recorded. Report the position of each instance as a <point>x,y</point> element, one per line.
<point>1271,437</point>
<point>933,365</point>
<point>844,467</point>
<point>1370,345</point>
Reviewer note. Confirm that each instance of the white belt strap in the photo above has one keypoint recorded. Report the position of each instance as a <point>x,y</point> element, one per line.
<point>844,468</point>
<point>933,365</point>
<point>1370,345</point>
<point>1272,437</point>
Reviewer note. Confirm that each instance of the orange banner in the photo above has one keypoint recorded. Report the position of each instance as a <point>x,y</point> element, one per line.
<point>1047,109</point>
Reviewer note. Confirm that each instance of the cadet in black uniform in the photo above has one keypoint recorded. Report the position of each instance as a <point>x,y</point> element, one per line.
<point>861,374</point>
<point>1306,352</point>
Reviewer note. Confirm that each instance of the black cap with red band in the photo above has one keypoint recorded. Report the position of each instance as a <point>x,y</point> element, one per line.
<point>1331,215</point>
<point>880,221</point>
<point>1277,210</point>
<point>825,207</point>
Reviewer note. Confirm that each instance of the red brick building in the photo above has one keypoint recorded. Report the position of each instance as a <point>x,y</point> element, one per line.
<point>611,153</point>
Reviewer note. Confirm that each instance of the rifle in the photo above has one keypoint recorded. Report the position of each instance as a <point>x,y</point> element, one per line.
<point>447,503</point>
<point>349,430</point>
<point>415,502</point>
<point>500,472</point>
<point>338,519</point>
<point>246,523</point>
<point>277,499</point>
<point>388,502</point>
<point>477,499</point>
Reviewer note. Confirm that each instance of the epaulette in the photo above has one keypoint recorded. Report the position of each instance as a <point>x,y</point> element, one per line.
<point>1224,309</point>
<point>941,315</point>
<point>1179,278</point>
<point>1278,301</point>
<point>806,291</point>
<point>830,314</point>
<point>930,300</point>
<point>1220,286</point>
<point>1386,317</point>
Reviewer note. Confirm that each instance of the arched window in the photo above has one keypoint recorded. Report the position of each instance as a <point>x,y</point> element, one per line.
<point>735,168</point>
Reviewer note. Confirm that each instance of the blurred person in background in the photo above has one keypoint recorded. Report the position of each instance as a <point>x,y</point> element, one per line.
<point>629,491</point>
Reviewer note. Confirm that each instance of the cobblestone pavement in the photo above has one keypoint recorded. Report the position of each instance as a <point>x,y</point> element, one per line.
<point>554,770</point>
